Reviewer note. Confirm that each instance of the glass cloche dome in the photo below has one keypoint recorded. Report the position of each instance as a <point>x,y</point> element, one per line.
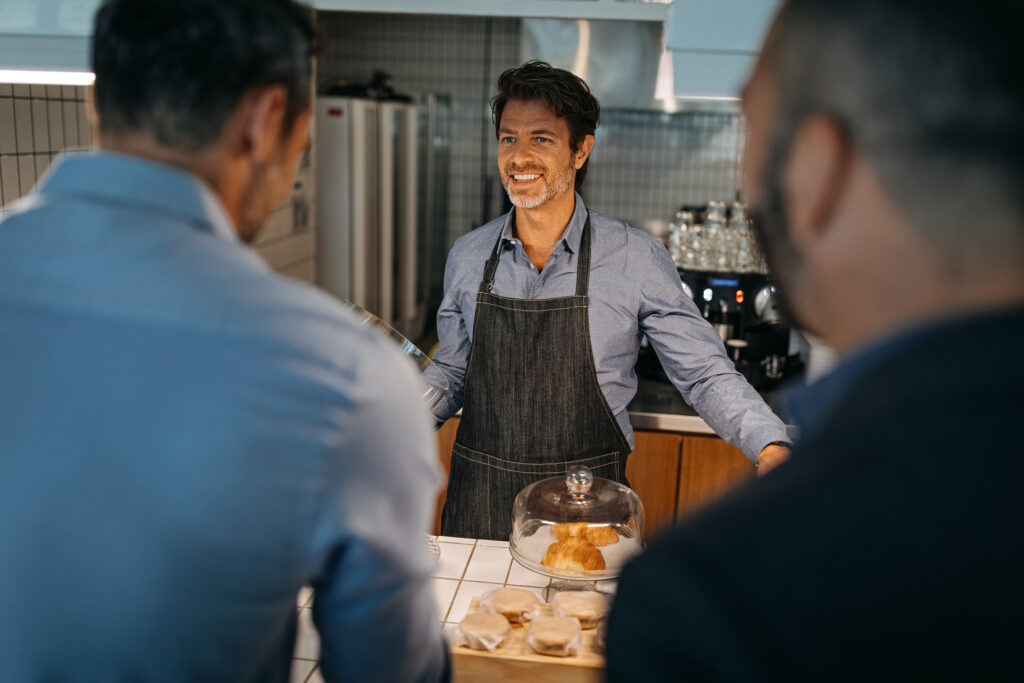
<point>577,526</point>
<point>434,385</point>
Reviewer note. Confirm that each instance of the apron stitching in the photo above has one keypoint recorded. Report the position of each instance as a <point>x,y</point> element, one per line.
<point>476,319</point>
<point>554,468</point>
<point>604,401</point>
<point>584,280</point>
<point>554,298</point>
<point>555,471</point>
<point>527,310</point>
<point>516,462</point>
<point>469,364</point>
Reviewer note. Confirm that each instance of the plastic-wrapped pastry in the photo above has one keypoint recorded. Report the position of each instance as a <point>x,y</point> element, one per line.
<point>482,631</point>
<point>589,607</point>
<point>558,636</point>
<point>599,636</point>
<point>515,604</point>
<point>575,554</point>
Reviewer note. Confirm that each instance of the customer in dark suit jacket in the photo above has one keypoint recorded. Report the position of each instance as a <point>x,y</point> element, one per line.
<point>885,157</point>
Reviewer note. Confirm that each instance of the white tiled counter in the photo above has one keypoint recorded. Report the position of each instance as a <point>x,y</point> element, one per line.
<point>466,569</point>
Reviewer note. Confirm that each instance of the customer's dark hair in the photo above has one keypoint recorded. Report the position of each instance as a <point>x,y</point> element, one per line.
<point>930,92</point>
<point>176,69</point>
<point>565,92</point>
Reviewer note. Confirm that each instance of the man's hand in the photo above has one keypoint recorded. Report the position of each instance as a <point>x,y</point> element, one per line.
<point>770,457</point>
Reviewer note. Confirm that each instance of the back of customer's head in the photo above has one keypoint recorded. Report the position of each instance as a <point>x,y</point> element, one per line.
<point>175,70</point>
<point>930,93</point>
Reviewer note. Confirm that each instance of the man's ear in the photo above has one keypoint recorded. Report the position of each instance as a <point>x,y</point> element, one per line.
<point>583,151</point>
<point>814,179</point>
<point>92,115</point>
<point>262,121</point>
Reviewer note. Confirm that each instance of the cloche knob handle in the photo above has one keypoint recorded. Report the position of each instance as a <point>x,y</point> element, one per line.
<point>579,479</point>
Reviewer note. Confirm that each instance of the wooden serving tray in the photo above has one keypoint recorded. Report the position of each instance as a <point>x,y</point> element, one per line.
<point>514,660</point>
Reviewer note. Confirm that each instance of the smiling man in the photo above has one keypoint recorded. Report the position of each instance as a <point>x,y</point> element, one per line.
<point>542,318</point>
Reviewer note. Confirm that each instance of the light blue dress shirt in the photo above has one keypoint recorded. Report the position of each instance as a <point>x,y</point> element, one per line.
<point>635,290</point>
<point>186,438</point>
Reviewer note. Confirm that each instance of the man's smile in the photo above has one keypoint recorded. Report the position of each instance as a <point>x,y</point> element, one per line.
<point>524,177</point>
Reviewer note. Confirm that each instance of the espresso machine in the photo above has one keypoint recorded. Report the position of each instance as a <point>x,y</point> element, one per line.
<point>723,272</point>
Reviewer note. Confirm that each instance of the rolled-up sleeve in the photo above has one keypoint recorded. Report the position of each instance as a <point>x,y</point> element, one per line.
<point>454,343</point>
<point>694,359</point>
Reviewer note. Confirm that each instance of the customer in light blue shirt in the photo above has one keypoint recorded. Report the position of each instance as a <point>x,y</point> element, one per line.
<point>187,438</point>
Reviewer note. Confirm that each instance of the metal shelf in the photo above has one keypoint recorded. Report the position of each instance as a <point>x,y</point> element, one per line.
<point>623,10</point>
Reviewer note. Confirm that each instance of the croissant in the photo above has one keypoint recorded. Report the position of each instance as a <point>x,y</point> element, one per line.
<point>564,531</point>
<point>574,554</point>
<point>597,535</point>
<point>602,535</point>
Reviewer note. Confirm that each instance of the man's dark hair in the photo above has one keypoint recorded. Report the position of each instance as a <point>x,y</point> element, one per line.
<point>565,92</point>
<point>176,69</point>
<point>929,92</point>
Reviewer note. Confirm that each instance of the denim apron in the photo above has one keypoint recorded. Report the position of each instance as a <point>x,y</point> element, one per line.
<point>532,405</point>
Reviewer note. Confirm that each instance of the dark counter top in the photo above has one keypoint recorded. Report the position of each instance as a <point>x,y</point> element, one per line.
<point>658,405</point>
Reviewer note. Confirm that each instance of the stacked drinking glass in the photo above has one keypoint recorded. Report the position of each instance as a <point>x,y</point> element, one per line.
<point>722,242</point>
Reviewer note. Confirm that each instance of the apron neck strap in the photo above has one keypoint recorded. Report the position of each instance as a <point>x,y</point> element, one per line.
<point>582,263</point>
<point>583,260</point>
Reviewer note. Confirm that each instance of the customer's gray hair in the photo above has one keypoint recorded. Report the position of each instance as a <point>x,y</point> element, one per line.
<point>929,92</point>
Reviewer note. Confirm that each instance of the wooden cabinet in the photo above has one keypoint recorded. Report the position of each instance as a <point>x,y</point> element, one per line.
<point>675,474</point>
<point>672,473</point>
<point>445,441</point>
<point>653,472</point>
<point>708,467</point>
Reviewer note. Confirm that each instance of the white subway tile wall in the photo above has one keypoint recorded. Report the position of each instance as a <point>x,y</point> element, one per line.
<point>645,165</point>
<point>37,122</point>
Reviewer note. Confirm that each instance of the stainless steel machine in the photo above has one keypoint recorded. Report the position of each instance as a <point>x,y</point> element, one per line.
<point>381,163</point>
<point>722,271</point>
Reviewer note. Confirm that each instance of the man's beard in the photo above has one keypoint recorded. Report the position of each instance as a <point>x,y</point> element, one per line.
<point>561,183</point>
<point>771,228</point>
<point>260,199</point>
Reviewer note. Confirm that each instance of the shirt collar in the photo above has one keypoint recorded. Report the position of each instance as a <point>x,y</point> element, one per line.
<point>571,236</point>
<point>130,180</point>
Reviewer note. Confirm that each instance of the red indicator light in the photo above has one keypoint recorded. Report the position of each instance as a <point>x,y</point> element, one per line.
<point>739,296</point>
<point>334,111</point>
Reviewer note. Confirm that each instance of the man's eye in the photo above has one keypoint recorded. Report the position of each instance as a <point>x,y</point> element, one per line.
<point>508,140</point>
<point>542,140</point>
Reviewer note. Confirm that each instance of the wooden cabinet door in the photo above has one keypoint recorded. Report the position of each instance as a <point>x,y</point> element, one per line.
<point>445,441</point>
<point>653,472</point>
<point>708,468</point>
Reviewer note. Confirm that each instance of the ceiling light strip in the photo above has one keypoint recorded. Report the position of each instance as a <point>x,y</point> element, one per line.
<point>46,77</point>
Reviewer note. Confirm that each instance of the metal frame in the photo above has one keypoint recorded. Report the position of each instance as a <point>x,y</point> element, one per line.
<point>564,9</point>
